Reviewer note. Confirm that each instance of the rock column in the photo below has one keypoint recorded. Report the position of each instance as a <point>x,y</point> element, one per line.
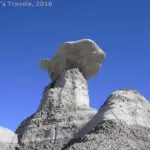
<point>64,107</point>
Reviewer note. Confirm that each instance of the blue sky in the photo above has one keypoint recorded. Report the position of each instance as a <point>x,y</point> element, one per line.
<point>120,28</point>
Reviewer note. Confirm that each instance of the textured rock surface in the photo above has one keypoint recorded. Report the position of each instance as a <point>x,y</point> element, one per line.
<point>65,120</point>
<point>113,135</point>
<point>8,139</point>
<point>64,108</point>
<point>122,123</point>
<point>83,54</point>
<point>61,114</point>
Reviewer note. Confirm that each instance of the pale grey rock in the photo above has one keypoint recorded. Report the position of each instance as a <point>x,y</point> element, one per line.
<point>84,54</point>
<point>7,136</point>
<point>128,106</point>
<point>64,108</point>
<point>8,139</point>
<point>63,111</point>
<point>65,121</point>
<point>125,105</point>
<point>122,123</point>
<point>112,135</point>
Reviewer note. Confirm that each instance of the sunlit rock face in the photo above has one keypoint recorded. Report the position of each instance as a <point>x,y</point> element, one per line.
<point>64,119</point>
<point>64,108</point>
<point>8,139</point>
<point>129,106</point>
<point>83,54</point>
<point>123,122</point>
<point>61,114</point>
<point>126,105</point>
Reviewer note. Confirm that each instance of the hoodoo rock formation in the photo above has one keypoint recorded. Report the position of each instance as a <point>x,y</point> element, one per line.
<point>65,121</point>
<point>64,108</point>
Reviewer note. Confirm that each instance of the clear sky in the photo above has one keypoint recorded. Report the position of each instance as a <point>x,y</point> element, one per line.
<point>120,27</point>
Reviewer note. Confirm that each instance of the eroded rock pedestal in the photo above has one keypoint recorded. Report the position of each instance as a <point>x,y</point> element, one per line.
<point>64,108</point>
<point>60,114</point>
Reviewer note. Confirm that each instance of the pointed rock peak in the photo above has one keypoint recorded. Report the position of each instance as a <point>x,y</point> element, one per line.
<point>83,54</point>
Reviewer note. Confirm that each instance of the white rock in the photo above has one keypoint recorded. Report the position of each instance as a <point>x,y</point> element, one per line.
<point>63,111</point>
<point>125,105</point>
<point>129,106</point>
<point>7,136</point>
<point>8,139</point>
<point>83,54</point>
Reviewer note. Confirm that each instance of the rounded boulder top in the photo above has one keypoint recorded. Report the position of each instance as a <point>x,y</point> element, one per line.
<point>7,136</point>
<point>84,54</point>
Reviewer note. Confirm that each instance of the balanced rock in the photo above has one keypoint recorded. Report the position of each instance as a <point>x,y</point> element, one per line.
<point>122,123</point>
<point>64,107</point>
<point>8,139</point>
<point>83,54</point>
